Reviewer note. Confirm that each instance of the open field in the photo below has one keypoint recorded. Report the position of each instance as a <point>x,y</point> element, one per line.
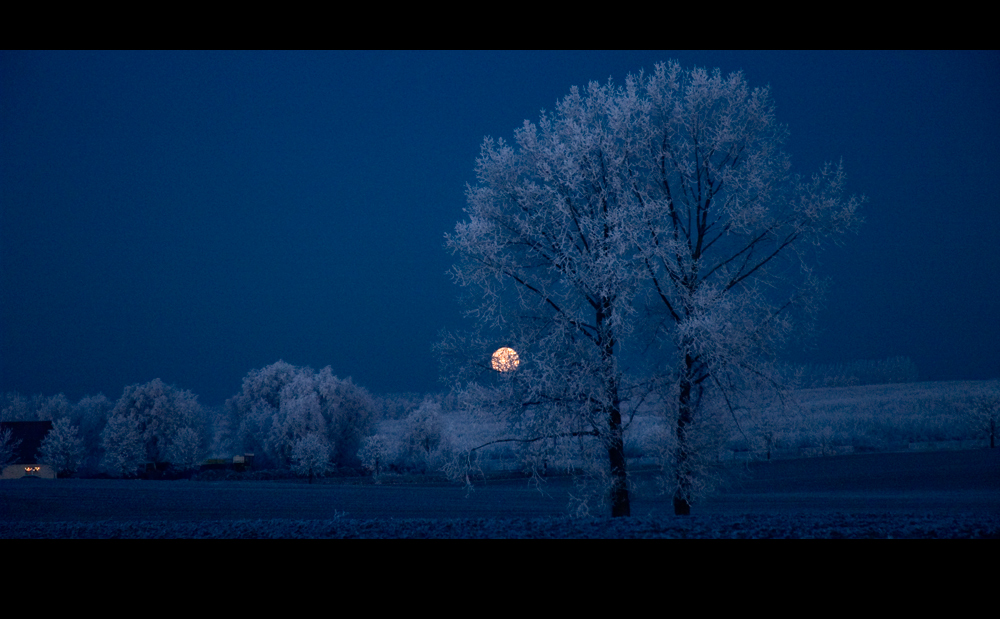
<point>939,494</point>
<point>927,416</point>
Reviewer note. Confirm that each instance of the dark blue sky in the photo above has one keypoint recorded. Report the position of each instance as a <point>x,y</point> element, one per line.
<point>191,216</point>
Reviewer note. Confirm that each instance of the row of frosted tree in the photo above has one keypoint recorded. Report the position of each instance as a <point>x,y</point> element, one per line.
<point>301,422</point>
<point>853,374</point>
<point>291,418</point>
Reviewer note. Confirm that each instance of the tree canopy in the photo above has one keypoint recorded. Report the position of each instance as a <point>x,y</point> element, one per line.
<point>656,221</point>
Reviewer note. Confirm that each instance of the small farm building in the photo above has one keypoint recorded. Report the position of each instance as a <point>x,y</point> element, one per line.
<point>27,437</point>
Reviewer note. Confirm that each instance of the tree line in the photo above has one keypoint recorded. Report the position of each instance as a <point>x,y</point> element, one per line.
<point>853,373</point>
<point>291,418</point>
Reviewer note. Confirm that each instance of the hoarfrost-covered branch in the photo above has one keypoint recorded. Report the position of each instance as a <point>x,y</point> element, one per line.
<point>662,210</point>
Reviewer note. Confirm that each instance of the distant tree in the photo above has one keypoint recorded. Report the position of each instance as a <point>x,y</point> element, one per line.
<point>424,436</point>
<point>855,373</point>
<point>51,408</point>
<point>185,451</point>
<point>311,455</point>
<point>124,450</point>
<point>159,413</point>
<point>374,455</point>
<point>14,407</point>
<point>399,405</point>
<point>90,416</point>
<point>351,412</point>
<point>299,415</point>
<point>669,194</point>
<point>281,404</point>
<point>218,432</point>
<point>983,412</point>
<point>62,448</point>
<point>8,447</point>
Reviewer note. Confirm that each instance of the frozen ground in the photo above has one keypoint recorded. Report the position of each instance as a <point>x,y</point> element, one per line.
<point>753,526</point>
<point>936,495</point>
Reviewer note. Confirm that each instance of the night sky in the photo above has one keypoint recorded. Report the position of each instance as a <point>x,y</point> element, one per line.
<point>191,216</point>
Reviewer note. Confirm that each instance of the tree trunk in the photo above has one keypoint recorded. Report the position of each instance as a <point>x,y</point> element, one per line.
<point>619,475</point>
<point>682,464</point>
<point>618,492</point>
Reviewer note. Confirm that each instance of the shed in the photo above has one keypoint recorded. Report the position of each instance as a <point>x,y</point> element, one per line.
<point>27,436</point>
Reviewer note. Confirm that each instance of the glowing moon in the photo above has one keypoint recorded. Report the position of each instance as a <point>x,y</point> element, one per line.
<point>505,360</point>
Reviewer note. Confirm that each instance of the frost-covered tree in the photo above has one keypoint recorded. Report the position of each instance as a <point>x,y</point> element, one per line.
<point>185,451</point>
<point>281,404</point>
<point>62,448</point>
<point>350,411</point>
<point>124,450</point>
<point>90,415</point>
<point>374,455</point>
<point>424,427</point>
<point>51,408</point>
<point>425,442</point>
<point>14,407</point>
<point>727,236</point>
<point>8,446</point>
<point>298,416</point>
<point>983,412</point>
<point>547,250</point>
<point>399,405</point>
<point>251,412</point>
<point>658,212</point>
<point>159,413</point>
<point>311,455</point>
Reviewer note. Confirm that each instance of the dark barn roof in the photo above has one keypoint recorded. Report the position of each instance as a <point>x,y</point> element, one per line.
<point>31,434</point>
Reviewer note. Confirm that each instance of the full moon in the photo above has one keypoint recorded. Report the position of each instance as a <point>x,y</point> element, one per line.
<point>505,360</point>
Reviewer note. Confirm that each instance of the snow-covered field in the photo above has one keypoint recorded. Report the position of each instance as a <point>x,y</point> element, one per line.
<point>952,494</point>
<point>806,423</point>
<point>756,526</point>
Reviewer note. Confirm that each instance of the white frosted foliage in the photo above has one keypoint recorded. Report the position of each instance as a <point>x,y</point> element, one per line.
<point>641,238</point>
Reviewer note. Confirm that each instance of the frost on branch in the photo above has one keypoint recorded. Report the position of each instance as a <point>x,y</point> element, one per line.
<point>8,447</point>
<point>281,404</point>
<point>311,456</point>
<point>983,413</point>
<point>62,448</point>
<point>151,423</point>
<point>374,455</point>
<point>641,238</point>
<point>122,442</point>
<point>426,445</point>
